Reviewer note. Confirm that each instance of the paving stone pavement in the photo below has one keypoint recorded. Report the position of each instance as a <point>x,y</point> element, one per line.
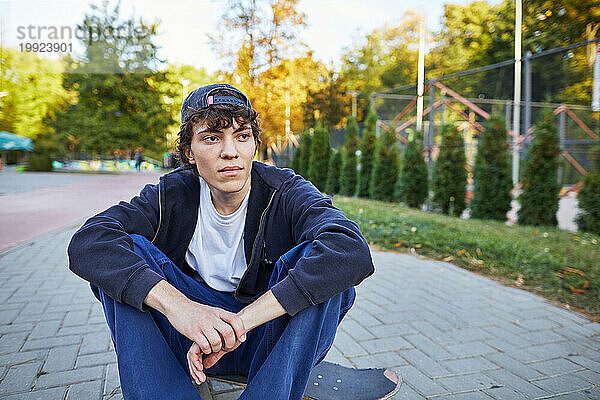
<point>451,334</point>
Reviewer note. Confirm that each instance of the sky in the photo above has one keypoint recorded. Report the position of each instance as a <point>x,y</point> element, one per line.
<point>333,25</point>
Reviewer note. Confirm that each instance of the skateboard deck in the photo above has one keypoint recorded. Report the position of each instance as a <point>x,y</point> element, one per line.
<point>329,381</point>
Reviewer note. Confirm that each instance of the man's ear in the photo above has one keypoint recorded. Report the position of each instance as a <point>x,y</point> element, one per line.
<point>188,155</point>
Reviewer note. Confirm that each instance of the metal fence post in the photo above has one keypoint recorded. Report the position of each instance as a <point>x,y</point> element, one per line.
<point>527,117</point>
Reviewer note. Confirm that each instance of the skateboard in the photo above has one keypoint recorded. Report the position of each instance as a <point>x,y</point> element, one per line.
<point>329,381</point>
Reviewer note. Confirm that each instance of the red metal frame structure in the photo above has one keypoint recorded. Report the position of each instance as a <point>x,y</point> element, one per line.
<point>470,105</point>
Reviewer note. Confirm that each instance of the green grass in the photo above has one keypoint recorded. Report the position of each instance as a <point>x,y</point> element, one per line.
<point>545,260</point>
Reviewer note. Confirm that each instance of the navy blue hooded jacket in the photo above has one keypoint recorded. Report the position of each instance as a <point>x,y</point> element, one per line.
<point>283,211</point>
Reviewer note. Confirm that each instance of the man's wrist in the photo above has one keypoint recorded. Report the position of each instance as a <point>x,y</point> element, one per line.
<point>163,297</point>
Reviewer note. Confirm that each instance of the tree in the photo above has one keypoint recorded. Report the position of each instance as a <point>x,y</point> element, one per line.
<point>34,91</point>
<point>367,155</point>
<point>540,195</point>
<point>588,219</point>
<point>449,177</point>
<point>319,157</point>
<point>334,169</point>
<point>328,103</point>
<point>412,186</point>
<point>301,158</point>
<point>385,168</point>
<point>118,105</point>
<point>384,59</point>
<point>349,176</point>
<point>492,173</point>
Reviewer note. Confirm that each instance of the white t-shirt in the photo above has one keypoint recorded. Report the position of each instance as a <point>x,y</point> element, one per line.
<point>217,247</point>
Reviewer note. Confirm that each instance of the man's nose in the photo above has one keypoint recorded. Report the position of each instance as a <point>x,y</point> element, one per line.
<point>229,150</point>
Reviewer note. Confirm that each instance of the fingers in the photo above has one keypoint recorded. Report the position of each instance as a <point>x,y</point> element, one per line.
<point>194,357</point>
<point>202,342</point>
<point>227,333</point>
<point>236,323</point>
<point>214,339</point>
<point>212,359</point>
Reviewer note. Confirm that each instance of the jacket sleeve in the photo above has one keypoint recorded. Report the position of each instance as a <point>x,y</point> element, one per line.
<point>101,251</point>
<point>338,259</point>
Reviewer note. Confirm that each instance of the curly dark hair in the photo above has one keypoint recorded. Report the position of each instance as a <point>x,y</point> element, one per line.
<point>218,117</point>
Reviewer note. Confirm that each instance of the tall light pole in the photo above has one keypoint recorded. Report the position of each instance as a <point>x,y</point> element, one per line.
<point>421,76</point>
<point>184,85</point>
<point>517,99</point>
<point>354,93</point>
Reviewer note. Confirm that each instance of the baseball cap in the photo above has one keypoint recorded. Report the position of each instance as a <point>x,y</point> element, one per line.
<point>203,97</point>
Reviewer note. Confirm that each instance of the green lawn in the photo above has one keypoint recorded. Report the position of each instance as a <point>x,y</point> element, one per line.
<point>545,260</point>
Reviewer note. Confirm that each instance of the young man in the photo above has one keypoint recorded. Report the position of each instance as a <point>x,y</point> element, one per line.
<point>226,266</point>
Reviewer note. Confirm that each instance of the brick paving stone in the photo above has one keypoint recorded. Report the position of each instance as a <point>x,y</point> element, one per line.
<point>468,396</point>
<point>355,330</point>
<point>385,344</point>
<point>407,393</point>
<point>85,391</point>
<point>543,337</point>
<point>427,346</point>
<point>556,366</point>
<point>464,365</point>
<point>589,376</point>
<point>45,329</point>
<point>70,377</point>
<point>571,396</point>
<point>503,393</point>
<point>563,384</point>
<point>348,346</point>
<point>22,357</point>
<point>468,382</point>
<point>36,344</point>
<point>74,318</point>
<point>469,349</point>
<point>94,343</point>
<point>61,358</point>
<point>429,366</point>
<point>381,360</point>
<point>387,330</point>
<point>88,360</point>
<point>420,382</point>
<point>19,378</point>
<point>509,379</point>
<point>46,394</point>
<point>12,342</point>
<point>432,332</point>
<point>335,356</point>
<point>469,334</point>
<point>585,362</point>
<point>511,350</point>
<point>111,380</point>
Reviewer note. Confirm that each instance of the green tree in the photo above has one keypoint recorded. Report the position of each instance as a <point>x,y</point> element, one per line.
<point>412,186</point>
<point>300,160</point>
<point>334,169</point>
<point>492,173</point>
<point>367,155</point>
<point>449,177</point>
<point>385,168</point>
<point>319,157</point>
<point>33,91</point>
<point>588,219</point>
<point>349,176</point>
<point>540,195</point>
<point>118,105</point>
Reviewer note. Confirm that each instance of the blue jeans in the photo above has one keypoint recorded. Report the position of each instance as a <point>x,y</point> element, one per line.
<point>276,357</point>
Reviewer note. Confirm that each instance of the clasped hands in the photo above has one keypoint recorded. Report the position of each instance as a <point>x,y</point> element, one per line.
<point>213,331</point>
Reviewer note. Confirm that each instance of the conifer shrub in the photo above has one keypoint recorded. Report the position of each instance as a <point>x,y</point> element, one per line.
<point>301,157</point>
<point>412,186</point>
<point>367,156</point>
<point>349,174</point>
<point>492,173</point>
<point>319,157</point>
<point>449,176</point>
<point>385,168</point>
<point>588,219</point>
<point>333,171</point>
<point>540,192</point>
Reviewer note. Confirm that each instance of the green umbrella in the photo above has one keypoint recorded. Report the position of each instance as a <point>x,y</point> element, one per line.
<point>10,141</point>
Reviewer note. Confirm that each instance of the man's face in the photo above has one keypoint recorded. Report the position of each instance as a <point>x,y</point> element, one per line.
<point>224,158</point>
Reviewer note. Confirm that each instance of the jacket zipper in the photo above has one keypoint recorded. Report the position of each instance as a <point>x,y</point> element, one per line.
<point>159,214</point>
<point>260,226</point>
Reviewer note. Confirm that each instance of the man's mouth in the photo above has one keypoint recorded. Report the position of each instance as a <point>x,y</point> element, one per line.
<point>230,171</point>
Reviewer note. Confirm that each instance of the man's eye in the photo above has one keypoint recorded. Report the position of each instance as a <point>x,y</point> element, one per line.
<point>244,136</point>
<point>211,138</point>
